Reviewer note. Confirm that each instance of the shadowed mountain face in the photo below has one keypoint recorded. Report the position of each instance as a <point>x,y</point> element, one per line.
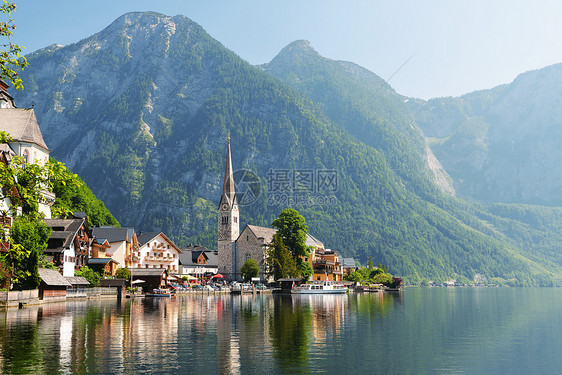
<point>142,112</point>
<point>501,144</point>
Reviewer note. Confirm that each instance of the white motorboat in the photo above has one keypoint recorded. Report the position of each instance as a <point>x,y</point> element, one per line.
<point>324,287</point>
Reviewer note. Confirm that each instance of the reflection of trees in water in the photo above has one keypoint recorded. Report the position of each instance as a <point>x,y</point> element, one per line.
<point>375,305</point>
<point>290,325</point>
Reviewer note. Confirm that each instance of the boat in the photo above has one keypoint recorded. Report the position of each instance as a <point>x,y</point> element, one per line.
<point>324,287</point>
<point>159,293</point>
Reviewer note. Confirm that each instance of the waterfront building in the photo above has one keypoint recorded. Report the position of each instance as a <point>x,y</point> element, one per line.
<point>69,244</point>
<point>122,243</point>
<point>155,250</point>
<point>198,261</point>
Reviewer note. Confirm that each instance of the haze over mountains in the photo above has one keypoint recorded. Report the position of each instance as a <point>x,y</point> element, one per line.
<point>142,111</point>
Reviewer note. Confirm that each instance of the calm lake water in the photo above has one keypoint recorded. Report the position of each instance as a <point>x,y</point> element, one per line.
<point>419,331</point>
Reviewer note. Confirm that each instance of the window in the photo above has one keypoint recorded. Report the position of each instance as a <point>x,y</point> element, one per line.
<point>247,257</point>
<point>224,220</point>
<point>235,219</point>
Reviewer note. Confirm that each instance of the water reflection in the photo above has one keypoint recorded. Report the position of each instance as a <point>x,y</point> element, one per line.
<point>420,331</point>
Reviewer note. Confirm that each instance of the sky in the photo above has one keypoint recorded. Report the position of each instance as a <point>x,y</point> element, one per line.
<point>449,47</point>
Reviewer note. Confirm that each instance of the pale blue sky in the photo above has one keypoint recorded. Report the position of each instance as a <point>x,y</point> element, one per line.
<point>458,46</point>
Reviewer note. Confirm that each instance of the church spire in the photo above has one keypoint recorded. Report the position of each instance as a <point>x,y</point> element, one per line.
<point>228,184</point>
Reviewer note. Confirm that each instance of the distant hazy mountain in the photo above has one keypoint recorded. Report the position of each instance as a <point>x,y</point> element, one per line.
<point>501,144</point>
<point>142,112</point>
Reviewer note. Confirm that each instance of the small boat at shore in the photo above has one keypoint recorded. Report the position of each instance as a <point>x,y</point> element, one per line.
<point>159,293</point>
<point>325,287</point>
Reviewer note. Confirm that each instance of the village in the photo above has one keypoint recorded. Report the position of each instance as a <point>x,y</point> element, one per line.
<point>153,260</point>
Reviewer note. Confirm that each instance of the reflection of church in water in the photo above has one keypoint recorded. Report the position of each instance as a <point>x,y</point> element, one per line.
<point>234,248</point>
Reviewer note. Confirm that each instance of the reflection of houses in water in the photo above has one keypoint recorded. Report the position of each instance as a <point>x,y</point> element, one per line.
<point>327,314</point>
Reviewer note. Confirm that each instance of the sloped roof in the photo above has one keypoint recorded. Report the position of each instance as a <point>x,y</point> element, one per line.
<point>110,233</point>
<point>22,125</point>
<point>150,272</point>
<point>101,261</point>
<point>349,263</point>
<point>268,233</point>
<point>77,280</point>
<point>144,238</point>
<point>64,232</point>
<point>189,257</point>
<point>52,277</point>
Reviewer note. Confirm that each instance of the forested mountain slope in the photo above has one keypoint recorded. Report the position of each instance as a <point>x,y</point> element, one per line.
<point>142,112</point>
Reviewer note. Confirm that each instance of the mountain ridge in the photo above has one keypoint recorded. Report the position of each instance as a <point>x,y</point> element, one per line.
<point>146,128</point>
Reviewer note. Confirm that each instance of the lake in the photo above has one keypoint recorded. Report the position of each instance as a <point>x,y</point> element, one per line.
<point>418,331</point>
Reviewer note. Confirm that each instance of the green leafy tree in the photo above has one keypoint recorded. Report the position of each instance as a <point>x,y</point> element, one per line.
<point>249,269</point>
<point>10,54</point>
<point>370,263</point>
<point>279,260</point>
<point>293,230</point>
<point>123,273</point>
<point>28,238</point>
<point>89,274</point>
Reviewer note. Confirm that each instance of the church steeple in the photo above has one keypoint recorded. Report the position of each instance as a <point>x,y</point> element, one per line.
<point>228,223</point>
<point>228,188</point>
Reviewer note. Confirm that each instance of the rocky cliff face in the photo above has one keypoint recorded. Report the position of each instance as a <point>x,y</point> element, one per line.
<point>501,144</point>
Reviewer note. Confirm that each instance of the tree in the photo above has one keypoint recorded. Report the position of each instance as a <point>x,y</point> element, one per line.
<point>24,184</point>
<point>249,269</point>
<point>89,274</point>
<point>293,230</point>
<point>370,263</point>
<point>279,260</point>
<point>123,273</point>
<point>28,238</point>
<point>10,57</point>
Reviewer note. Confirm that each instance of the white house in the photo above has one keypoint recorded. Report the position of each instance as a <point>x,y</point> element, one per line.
<point>27,140</point>
<point>156,250</point>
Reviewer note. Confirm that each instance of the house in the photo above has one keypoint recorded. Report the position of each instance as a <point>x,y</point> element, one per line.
<point>123,243</point>
<point>234,248</point>
<point>349,265</point>
<point>27,140</point>
<point>69,244</point>
<point>198,261</point>
<point>107,265</point>
<point>152,278</point>
<point>53,285</point>
<point>155,250</point>
<point>326,265</point>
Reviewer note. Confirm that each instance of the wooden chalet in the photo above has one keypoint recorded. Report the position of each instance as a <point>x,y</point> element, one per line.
<point>53,285</point>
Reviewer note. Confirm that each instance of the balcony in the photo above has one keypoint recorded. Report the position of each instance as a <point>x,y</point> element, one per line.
<point>159,248</point>
<point>152,258</point>
<point>132,258</point>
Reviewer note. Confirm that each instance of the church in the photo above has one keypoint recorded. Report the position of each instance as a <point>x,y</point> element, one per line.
<point>234,248</point>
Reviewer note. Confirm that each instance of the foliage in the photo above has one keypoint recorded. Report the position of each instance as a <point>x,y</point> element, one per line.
<point>90,275</point>
<point>249,269</point>
<point>123,273</point>
<point>292,228</point>
<point>28,237</point>
<point>279,261</point>
<point>10,57</point>
<point>73,195</point>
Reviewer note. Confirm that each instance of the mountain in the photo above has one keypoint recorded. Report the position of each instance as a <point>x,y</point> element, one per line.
<point>366,107</point>
<point>501,145</point>
<point>142,112</point>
